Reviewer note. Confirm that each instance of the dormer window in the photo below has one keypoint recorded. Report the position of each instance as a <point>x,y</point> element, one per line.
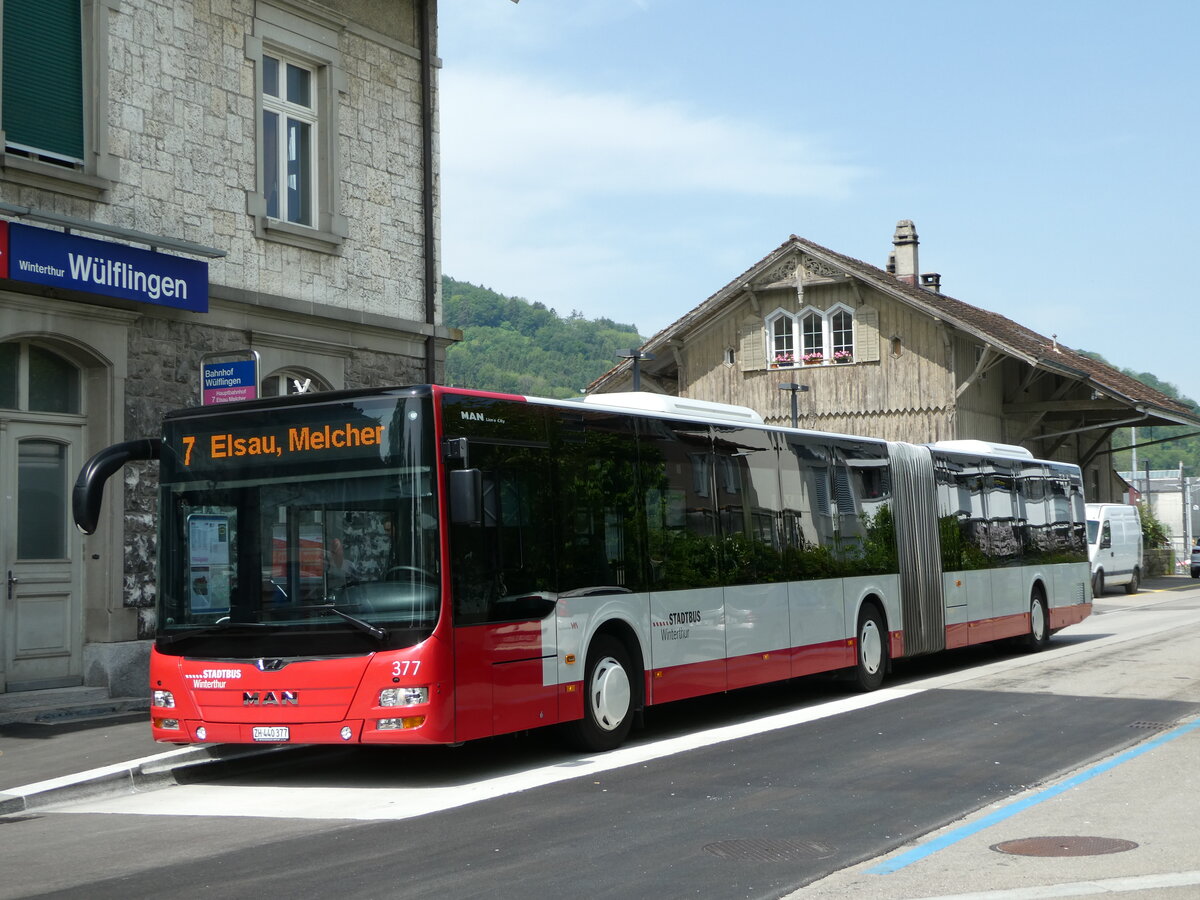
<point>810,337</point>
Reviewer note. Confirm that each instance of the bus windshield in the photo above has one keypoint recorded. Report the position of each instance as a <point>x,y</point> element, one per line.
<point>299,530</point>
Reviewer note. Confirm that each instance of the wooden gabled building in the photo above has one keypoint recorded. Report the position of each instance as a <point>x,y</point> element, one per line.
<point>884,352</point>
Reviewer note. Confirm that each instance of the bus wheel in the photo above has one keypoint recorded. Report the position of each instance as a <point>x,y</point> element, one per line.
<point>1135,581</point>
<point>871,662</point>
<point>608,703</point>
<point>1039,622</point>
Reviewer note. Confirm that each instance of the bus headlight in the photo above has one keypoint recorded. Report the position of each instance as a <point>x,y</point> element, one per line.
<point>164,699</point>
<point>407,696</point>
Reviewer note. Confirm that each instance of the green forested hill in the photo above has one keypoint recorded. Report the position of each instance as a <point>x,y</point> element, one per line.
<point>510,344</point>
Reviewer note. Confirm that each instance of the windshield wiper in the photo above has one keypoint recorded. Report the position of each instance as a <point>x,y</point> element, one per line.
<point>380,634</point>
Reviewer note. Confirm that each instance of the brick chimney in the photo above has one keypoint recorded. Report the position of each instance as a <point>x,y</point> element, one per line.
<point>903,260</point>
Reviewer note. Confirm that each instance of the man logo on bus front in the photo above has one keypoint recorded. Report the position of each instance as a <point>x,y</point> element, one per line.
<point>270,698</point>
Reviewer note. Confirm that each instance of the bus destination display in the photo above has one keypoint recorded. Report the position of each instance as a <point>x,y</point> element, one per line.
<point>201,449</point>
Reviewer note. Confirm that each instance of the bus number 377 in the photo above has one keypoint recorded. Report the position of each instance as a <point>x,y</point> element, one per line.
<point>430,565</point>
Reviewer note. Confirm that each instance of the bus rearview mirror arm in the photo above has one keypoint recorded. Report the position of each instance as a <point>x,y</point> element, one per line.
<point>88,492</point>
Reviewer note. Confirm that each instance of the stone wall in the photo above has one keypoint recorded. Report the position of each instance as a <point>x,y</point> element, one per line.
<point>183,129</point>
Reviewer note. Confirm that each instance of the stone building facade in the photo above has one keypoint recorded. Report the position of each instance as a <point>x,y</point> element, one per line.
<point>286,150</point>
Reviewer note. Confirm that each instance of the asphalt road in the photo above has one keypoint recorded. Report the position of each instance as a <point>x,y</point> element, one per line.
<point>753,794</point>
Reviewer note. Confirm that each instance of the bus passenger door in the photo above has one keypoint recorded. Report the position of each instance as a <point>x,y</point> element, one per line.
<point>504,601</point>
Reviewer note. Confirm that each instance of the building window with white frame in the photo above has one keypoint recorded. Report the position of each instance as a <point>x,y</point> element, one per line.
<point>298,70</point>
<point>782,330</point>
<point>841,335</point>
<point>812,336</point>
<point>289,135</point>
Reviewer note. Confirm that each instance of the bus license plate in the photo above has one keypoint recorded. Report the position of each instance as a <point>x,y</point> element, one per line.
<point>270,733</point>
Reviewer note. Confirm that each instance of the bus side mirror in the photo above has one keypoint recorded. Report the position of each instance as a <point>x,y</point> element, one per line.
<point>466,497</point>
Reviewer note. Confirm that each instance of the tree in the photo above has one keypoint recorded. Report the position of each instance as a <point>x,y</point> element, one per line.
<point>512,345</point>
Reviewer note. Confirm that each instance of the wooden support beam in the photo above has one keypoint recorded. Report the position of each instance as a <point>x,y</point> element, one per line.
<point>989,358</point>
<point>1085,458</point>
<point>1089,404</point>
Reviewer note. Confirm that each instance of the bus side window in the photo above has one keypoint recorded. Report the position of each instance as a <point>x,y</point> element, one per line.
<point>511,553</point>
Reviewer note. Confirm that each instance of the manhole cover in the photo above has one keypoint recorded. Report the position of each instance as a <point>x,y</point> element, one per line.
<point>1064,846</point>
<point>765,850</point>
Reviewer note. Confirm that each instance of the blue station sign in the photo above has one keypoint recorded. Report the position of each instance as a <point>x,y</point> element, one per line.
<point>75,263</point>
<point>229,381</point>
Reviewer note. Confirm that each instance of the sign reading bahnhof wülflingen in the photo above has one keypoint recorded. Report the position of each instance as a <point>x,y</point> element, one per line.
<point>76,263</point>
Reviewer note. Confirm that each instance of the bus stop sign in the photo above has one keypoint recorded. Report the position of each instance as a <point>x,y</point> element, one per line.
<point>229,381</point>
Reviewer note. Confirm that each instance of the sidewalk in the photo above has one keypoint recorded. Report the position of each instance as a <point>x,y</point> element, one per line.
<point>1125,826</point>
<point>65,744</point>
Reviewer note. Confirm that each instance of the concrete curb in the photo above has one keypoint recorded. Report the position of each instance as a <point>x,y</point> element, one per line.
<point>147,773</point>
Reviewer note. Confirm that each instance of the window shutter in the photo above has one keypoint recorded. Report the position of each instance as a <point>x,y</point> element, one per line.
<point>866,334</point>
<point>841,487</point>
<point>820,486</point>
<point>751,350</point>
<point>43,76</point>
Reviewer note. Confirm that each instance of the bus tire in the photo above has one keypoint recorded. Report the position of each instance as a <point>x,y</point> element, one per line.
<point>1135,581</point>
<point>608,702</point>
<point>871,654</point>
<point>1039,622</point>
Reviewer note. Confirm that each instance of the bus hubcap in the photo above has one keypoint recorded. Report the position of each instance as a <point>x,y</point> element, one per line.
<point>610,693</point>
<point>870,648</point>
<point>1038,617</point>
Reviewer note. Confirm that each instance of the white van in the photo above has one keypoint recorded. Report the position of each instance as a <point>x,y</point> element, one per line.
<point>1114,533</point>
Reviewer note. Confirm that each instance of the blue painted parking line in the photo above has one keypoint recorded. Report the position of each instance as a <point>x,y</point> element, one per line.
<point>953,837</point>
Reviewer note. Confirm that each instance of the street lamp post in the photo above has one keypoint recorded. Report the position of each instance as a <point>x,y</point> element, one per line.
<point>794,389</point>
<point>637,355</point>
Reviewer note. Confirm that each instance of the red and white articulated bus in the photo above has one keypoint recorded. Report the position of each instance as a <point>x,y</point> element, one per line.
<point>428,565</point>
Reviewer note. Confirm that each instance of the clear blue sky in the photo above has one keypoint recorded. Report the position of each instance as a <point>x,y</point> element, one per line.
<point>628,158</point>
